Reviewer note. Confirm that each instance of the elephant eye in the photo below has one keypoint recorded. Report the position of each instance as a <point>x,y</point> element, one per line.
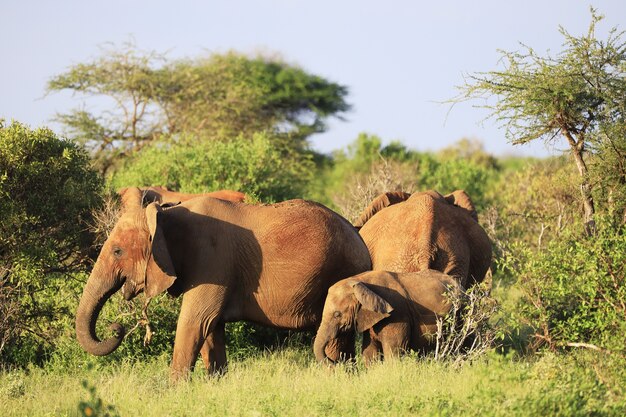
<point>337,314</point>
<point>117,252</point>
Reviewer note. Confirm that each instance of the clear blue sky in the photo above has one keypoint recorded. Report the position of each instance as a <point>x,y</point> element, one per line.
<point>398,58</point>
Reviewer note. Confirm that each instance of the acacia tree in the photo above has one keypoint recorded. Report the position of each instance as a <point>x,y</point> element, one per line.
<point>226,95</point>
<point>578,95</point>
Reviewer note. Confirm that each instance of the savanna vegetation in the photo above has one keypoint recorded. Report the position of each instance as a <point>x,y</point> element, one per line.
<point>553,323</point>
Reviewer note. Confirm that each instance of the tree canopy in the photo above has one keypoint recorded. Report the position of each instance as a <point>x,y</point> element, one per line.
<point>223,94</point>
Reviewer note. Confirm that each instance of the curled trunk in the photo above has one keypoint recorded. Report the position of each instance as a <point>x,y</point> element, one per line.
<point>95,295</point>
<point>322,340</point>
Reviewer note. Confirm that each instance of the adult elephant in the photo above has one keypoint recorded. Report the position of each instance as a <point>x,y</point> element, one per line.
<point>268,264</point>
<point>162,195</point>
<point>411,233</point>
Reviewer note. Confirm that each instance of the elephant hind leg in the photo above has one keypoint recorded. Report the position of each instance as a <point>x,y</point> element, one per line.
<point>213,351</point>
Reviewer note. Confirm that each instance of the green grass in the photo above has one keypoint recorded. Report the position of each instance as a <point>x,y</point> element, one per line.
<point>289,383</point>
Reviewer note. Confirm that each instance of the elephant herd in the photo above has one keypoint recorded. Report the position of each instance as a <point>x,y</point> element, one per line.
<point>292,265</point>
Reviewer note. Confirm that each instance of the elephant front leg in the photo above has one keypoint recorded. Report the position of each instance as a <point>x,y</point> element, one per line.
<point>187,344</point>
<point>213,351</point>
<point>371,350</point>
<point>199,323</point>
<point>394,339</point>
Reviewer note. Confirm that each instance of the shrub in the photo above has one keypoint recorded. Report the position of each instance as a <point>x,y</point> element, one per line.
<point>263,167</point>
<point>367,169</point>
<point>467,332</point>
<point>47,191</point>
<point>574,290</point>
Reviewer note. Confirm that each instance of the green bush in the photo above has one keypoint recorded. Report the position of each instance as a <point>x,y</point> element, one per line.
<point>448,175</point>
<point>47,192</point>
<point>264,167</point>
<point>574,290</point>
<point>366,168</point>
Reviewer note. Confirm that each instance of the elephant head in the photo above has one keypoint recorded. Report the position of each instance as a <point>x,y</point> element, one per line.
<point>134,258</point>
<point>350,305</point>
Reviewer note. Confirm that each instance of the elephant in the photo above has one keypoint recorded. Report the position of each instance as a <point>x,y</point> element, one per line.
<point>395,312</point>
<point>163,196</point>
<point>414,232</point>
<point>267,264</point>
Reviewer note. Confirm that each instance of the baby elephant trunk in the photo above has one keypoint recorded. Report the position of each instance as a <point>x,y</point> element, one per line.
<point>322,339</point>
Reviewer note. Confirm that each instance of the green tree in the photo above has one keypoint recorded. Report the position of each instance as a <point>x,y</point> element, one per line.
<point>469,149</point>
<point>47,192</point>
<point>577,95</point>
<point>224,94</point>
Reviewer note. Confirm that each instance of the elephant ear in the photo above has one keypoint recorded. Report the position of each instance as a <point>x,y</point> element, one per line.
<point>460,199</point>
<point>150,195</point>
<point>131,198</point>
<point>160,273</point>
<point>384,200</point>
<point>373,309</point>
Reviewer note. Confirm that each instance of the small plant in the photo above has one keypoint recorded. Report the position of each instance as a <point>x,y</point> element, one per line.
<point>466,332</point>
<point>13,386</point>
<point>94,406</point>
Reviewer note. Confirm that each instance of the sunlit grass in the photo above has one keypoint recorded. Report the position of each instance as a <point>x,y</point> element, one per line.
<point>290,383</point>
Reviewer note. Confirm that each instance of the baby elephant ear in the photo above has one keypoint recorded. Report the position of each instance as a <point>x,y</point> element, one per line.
<point>373,309</point>
<point>160,274</point>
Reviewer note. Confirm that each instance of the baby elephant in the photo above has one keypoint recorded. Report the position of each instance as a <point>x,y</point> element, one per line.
<point>394,311</point>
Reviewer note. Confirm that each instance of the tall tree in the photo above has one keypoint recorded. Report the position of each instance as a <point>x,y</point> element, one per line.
<point>224,94</point>
<point>578,95</point>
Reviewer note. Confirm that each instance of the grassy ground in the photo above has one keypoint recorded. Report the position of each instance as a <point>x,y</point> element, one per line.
<point>289,383</point>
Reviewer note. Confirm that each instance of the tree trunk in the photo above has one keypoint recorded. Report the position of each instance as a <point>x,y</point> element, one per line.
<point>585,188</point>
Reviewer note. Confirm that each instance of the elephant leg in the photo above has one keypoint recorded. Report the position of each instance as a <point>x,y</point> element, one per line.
<point>213,351</point>
<point>193,330</point>
<point>371,349</point>
<point>341,348</point>
<point>187,344</point>
<point>395,340</point>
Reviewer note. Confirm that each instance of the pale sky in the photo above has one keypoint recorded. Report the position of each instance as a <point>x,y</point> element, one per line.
<point>399,59</point>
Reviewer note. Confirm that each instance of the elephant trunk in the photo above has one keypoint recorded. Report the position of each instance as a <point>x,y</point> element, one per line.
<point>322,339</point>
<point>95,295</point>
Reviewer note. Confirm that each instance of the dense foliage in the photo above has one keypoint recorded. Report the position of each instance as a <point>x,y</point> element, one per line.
<point>262,166</point>
<point>575,290</point>
<point>47,192</point>
<point>354,176</point>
